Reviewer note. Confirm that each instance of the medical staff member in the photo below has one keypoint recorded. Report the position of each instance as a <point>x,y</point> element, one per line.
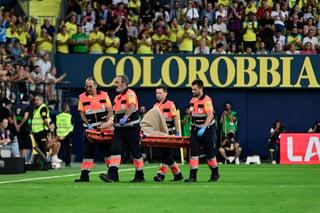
<point>95,110</point>
<point>127,130</point>
<point>203,132</point>
<point>169,112</point>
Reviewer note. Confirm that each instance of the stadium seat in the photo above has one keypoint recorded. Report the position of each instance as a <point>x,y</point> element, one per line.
<point>5,153</point>
<point>231,158</point>
<point>254,159</point>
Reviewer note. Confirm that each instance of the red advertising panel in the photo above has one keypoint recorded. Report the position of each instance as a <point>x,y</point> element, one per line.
<point>299,148</point>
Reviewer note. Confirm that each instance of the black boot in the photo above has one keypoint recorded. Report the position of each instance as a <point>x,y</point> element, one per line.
<point>138,177</point>
<point>178,177</point>
<point>159,177</point>
<point>84,177</point>
<point>112,175</point>
<point>214,174</point>
<point>193,176</point>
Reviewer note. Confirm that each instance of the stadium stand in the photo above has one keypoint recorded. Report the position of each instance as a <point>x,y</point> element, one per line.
<point>127,19</point>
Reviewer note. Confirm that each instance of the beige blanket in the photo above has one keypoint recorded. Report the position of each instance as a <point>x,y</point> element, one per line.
<point>153,123</point>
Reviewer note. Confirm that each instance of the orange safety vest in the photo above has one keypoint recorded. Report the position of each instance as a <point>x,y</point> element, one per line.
<point>198,111</point>
<point>95,108</point>
<point>121,105</point>
<point>166,110</point>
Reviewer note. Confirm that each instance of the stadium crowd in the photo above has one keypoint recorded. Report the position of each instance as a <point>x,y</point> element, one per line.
<point>201,27</point>
<point>25,50</point>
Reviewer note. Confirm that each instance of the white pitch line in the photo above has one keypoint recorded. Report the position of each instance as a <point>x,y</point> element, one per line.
<point>62,176</point>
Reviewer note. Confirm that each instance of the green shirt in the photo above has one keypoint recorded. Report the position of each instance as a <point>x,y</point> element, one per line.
<point>186,128</point>
<point>227,124</point>
<point>79,48</point>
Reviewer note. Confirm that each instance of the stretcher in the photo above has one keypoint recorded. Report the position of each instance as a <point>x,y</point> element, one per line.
<point>106,136</point>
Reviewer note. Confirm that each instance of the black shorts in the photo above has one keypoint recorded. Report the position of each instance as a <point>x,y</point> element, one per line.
<point>230,152</point>
<point>41,139</point>
<point>127,135</point>
<point>207,141</point>
<point>24,140</point>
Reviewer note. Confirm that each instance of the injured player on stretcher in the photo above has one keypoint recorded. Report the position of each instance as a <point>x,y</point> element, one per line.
<point>154,132</point>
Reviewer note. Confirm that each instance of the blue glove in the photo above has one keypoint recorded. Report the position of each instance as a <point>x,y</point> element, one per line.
<point>177,133</point>
<point>90,126</point>
<point>123,121</point>
<point>201,131</point>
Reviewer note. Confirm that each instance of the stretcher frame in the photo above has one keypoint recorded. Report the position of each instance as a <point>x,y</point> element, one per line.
<point>106,136</point>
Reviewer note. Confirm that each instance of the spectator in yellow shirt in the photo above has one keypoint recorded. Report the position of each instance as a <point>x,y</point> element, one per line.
<point>185,39</point>
<point>112,43</point>
<point>204,37</point>
<point>11,33</point>
<point>135,5</point>
<point>269,3</point>
<point>96,41</point>
<point>63,40</point>
<point>159,38</point>
<point>44,42</point>
<point>144,43</point>
<point>132,16</point>
<point>251,8</point>
<point>23,36</point>
<point>71,25</point>
<point>249,32</point>
<point>172,30</point>
<point>225,3</point>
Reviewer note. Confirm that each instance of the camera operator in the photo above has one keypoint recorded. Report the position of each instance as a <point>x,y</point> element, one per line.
<point>228,120</point>
<point>315,128</point>
<point>230,147</point>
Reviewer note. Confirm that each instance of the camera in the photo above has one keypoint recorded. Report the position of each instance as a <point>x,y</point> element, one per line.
<point>317,129</point>
<point>230,135</point>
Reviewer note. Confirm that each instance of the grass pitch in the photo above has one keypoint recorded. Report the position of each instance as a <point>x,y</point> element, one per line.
<point>241,188</point>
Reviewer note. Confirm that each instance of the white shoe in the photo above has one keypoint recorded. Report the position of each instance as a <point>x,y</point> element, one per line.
<point>274,162</point>
<point>55,159</point>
